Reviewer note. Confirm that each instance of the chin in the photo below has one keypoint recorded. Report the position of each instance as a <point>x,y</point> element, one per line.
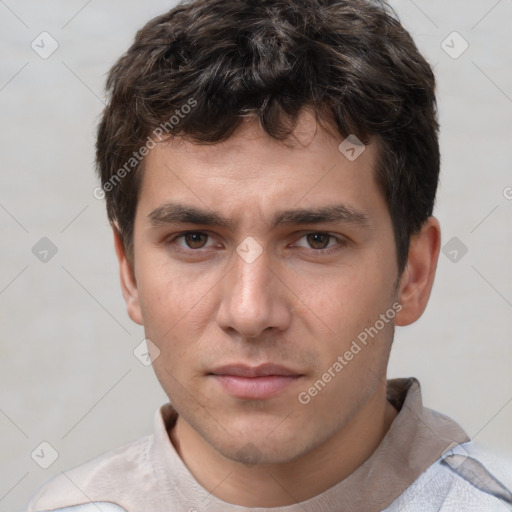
<point>254,452</point>
<point>263,446</point>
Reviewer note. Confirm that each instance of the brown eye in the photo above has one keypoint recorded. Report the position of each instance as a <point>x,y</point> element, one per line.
<point>318,240</point>
<point>196,240</point>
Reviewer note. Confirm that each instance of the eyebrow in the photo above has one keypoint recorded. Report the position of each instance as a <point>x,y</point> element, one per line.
<point>177,213</point>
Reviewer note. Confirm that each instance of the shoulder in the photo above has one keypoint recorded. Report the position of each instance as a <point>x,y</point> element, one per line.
<point>98,482</point>
<point>478,464</point>
<point>467,477</point>
<point>482,478</point>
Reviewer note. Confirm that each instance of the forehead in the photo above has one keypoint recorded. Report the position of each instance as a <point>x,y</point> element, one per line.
<point>252,172</point>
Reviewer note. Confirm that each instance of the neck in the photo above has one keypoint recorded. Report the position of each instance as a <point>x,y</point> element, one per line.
<point>278,485</point>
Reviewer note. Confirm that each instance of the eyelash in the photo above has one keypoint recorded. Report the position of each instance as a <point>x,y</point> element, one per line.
<point>341,242</point>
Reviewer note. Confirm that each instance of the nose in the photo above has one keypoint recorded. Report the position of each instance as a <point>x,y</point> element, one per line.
<point>253,299</point>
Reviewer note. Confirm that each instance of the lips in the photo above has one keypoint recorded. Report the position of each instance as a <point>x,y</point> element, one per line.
<point>263,370</point>
<point>254,382</point>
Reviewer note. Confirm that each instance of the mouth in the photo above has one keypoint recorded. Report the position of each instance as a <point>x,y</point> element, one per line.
<point>254,382</point>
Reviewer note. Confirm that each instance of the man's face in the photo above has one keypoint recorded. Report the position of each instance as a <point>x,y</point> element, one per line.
<point>296,294</point>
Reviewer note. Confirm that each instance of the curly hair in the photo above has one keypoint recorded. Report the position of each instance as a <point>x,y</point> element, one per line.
<point>221,61</point>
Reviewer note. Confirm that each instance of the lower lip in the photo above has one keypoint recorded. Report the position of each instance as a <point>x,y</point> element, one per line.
<point>255,388</point>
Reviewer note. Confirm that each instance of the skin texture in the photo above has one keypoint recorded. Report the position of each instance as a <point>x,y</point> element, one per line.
<point>296,305</point>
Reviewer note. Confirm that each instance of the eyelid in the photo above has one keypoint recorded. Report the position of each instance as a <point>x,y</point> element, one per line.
<point>176,236</point>
<point>340,239</point>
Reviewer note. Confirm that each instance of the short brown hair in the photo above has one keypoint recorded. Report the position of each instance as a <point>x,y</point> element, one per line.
<point>351,61</point>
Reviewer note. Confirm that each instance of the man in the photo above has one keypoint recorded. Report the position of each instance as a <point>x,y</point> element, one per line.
<point>270,170</point>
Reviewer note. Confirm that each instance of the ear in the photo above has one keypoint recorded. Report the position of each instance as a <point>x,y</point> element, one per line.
<point>128,282</point>
<point>418,276</point>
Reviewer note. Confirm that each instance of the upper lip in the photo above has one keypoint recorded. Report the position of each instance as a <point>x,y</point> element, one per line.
<point>262,370</point>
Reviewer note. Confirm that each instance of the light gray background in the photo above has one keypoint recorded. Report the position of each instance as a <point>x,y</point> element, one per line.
<point>68,374</point>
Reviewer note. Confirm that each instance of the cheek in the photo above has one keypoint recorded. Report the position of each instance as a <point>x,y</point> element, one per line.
<point>346,307</point>
<point>177,307</point>
<point>169,295</point>
<point>347,298</point>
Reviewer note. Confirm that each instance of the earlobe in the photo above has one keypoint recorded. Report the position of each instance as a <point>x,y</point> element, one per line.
<point>418,276</point>
<point>128,281</point>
